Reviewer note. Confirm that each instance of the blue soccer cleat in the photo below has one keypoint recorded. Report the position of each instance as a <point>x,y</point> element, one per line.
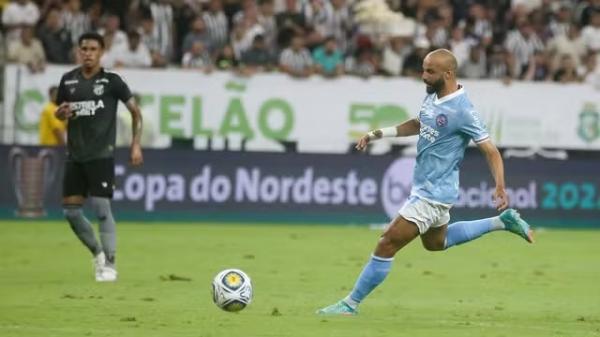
<point>515,224</point>
<point>340,308</point>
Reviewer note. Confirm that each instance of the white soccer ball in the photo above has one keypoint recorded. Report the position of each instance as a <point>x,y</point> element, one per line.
<point>232,290</point>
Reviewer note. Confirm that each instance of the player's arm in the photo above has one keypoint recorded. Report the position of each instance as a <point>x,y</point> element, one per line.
<point>409,128</point>
<point>63,112</point>
<point>494,160</point>
<point>136,131</point>
<point>124,94</point>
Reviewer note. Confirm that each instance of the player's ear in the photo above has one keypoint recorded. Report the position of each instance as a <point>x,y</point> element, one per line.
<point>448,74</point>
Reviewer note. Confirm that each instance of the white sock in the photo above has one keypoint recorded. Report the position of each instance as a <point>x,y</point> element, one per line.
<point>497,224</point>
<point>351,303</point>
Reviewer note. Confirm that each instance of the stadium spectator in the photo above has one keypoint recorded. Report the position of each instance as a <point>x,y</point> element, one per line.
<point>114,37</point>
<point>590,71</point>
<point>295,60</point>
<point>591,33</point>
<point>460,46</point>
<point>571,43</point>
<point>197,32</point>
<point>184,12</point>
<point>585,10</point>
<point>266,18</point>
<point>500,65</point>
<point>535,33</point>
<point>258,58</point>
<point>566,72</point>
<point>55,39</point>
<point>414,60</point>
<point>316,16</point>
<point>481,26</point>
<point>150,40</point>
<point>522,43</point>
<point>28,50</point>
<point>328,59</point>
<point>538,19</point>
<point>394,54</point>
<point>226,59</point>
<point>134,54</point>
<point>475,66</point>
<point>216,25</point>
<point>197,58</point>
<point>245,30</point>
<point>74,20</point>
<point>436,31</point>
<point>290,23</point>
<point>338,22</point>
<point>17,14</point>
<point>560,22</point>
<point>539,68</point>
<point>94,15</point>
<point>162,13</point>
<point>364,64</point>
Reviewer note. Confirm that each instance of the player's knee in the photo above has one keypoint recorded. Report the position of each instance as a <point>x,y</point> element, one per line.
<point>72,213</point>
<point>390,243</point>
<point>434,246</point>
<point>101,207</point>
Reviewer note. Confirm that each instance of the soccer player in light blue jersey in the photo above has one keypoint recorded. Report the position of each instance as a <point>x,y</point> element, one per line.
<point>447,122</point>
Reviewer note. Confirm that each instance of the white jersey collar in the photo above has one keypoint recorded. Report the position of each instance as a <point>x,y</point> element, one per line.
<point>460,91</point>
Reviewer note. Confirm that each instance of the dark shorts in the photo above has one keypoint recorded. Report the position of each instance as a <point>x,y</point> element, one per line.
<point>91,178</point>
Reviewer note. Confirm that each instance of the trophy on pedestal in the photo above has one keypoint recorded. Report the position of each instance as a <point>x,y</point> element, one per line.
<point>32,177</point>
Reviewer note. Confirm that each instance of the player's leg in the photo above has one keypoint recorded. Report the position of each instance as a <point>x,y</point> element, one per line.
<point>100,174</point>
<point>74,190</point>
<point>412,221</point>
<point>440,238</point>
<point>398,234</point>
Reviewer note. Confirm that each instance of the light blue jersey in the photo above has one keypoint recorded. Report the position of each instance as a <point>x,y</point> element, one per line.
<point>447,126</point>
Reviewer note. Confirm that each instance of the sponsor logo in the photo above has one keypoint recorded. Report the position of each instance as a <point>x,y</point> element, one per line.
<point>589,123</point>
<point>428,133</point>
<point>86,108</point>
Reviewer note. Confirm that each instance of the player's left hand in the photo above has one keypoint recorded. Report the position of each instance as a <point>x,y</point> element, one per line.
<point>136,158</point>
<point>501,199</point>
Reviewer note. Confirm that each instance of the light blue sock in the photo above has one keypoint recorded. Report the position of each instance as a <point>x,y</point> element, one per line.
<point>465,231</point>
<point>372,275</point>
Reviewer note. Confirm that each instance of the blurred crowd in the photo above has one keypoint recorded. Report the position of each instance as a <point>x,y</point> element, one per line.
<point>530,40</point>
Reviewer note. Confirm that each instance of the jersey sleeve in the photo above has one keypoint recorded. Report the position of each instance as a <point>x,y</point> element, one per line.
<point>122,90</point>
<point>61,94</point>
<point>473,127</point>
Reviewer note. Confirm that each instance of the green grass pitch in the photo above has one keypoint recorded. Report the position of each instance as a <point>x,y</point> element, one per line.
<point>496,286</point>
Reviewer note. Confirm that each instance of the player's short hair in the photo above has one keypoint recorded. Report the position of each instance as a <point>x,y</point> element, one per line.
<point>91,36</point>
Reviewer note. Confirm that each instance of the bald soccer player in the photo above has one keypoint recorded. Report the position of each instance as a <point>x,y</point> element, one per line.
<point>447,122</point>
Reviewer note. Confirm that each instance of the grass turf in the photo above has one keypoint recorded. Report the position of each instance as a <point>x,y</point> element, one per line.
<point>496,286</point>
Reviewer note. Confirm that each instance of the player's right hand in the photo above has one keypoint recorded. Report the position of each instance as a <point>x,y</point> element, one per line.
<point>362,143</point>
<point>64,111</point>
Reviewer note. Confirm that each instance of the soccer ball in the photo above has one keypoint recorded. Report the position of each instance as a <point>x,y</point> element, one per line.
<point>232,290</point>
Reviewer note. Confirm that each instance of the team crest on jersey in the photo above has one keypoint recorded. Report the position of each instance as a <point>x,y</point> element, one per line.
<point>98,89</point>
<point>441,120</point>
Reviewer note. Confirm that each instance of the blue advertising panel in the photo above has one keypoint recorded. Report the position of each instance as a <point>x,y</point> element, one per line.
<point>298,188</point>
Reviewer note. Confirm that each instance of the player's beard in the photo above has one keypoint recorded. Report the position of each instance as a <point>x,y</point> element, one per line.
<point>435,86</point>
